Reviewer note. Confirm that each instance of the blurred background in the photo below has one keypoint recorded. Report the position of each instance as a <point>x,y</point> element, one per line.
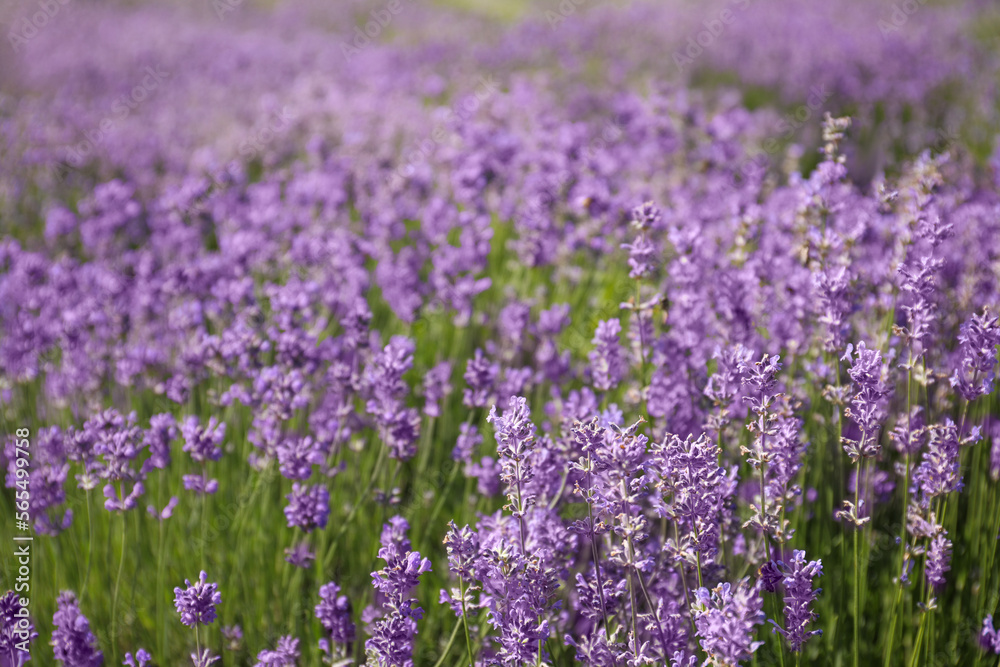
<point>914,74</point>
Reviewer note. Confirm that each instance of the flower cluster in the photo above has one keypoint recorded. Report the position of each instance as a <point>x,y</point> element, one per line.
<point>724,621</point>
<point>196,602</point>
<point>391,640</point>
<point>72,641</point>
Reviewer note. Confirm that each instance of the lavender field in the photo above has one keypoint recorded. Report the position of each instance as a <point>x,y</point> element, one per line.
<point>404,333</point>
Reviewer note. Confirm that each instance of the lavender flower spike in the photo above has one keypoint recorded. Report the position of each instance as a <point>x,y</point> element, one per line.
<point>799,596</point>
<point>515,436</point>
<point>724,622</point>
<point>989,638</point>
<point>978,342</point>
<point>938,560</point>
<point>334,613</point>
<point>141,659</point>
<point>17,632</point>
<point>607,359</point>
<point>73,643</point>
<point>285,654</point>
<point>392,636</point>
<point>196,602</point>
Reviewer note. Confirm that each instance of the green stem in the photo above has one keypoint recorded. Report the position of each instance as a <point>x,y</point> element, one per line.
<point>204,526</point>
<point>857,563</point>
<point>465,622</point>
<point>90,548</point>
<point>635,626</point>
<point>656,613</point>
<point>781,645</point>
<point>687,599</point>
<point>642,346</point>
<point>593,549</point>
<point>114,597</point>
<point>763,501</point>
<point>903,536</point>
<point>918,643</point>
<point>161,624</point>
<point>451,641</point>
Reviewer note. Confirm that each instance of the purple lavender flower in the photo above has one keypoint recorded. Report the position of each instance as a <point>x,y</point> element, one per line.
<point>481,377</point>
<point>909,431</point>
<point>760,379</point>
<point>203,444</point>
<point>49,472</point>
<point>724,385</point>
<point>770,576</point>
<point>166,512</point>
<point>978,341</point>
<point>462,546</point>
<point>867,410</point>
<point>196,602</point>
<point>799,596</point>
<point>162,431</point>
<point>486,472</point>
<point>515,436</point>
<point>437,385</point>
<point>200,484</point>
<point>641,255</point>
<point>995,454</point>
<point>285,654</point>
<point>831,285</point>
<point>938,560</point>
<point>401,434</point>
<point>695,489</point>
<point>468,440</point>
<point>391,641</point>
<point>334,613</point>
<point>519,593</point>
<point>297,456</point>
<point>512,323</point>
<point>724,621</point>
<point>939,472</point>
<point>204,659</point>
<point>308,506</point>
<point>121,503</point>
<point>142,657</point>
<point>117,440</point>
<point>72,641</point>
<point>645,216</point>
<point>233,634</point>
<point>384,379</point>
<point>989,638</point>
<point>17,632</point>
<point>607,359</point>
<point>299,555</point>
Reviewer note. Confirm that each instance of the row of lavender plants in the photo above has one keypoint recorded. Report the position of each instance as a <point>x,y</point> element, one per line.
<point>473,345</point>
